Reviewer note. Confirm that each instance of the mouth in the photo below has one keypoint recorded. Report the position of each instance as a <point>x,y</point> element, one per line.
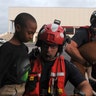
<point>49,57</point>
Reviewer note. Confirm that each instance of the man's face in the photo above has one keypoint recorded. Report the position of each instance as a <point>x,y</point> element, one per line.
<point>49,51</point>
<point>26,33</point>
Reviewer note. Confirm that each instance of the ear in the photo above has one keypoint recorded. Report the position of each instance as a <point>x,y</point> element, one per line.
<point>18,27</point>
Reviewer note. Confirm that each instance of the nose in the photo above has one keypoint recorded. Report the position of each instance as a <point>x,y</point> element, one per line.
<point>49,48</point>
<point>31,36</point>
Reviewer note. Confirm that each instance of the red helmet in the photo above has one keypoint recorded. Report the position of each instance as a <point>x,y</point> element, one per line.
<point>52,33</point>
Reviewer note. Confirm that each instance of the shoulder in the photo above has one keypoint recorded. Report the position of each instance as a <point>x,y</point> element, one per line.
<point>71,68</point>
<point>5,45</point>
<point>81,30</point>
<point>5,49</point>
<point>81,36</point>
<point>73,74</point>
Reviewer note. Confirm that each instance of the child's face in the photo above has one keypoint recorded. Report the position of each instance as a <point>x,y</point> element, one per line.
<point>27,32</point>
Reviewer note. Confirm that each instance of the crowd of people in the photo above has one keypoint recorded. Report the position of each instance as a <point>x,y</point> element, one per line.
<point>44,71</point>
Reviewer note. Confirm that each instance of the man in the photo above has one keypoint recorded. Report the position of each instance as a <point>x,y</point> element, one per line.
<point>14,60</point>
<point>82,49</point>
<point>50,72</point>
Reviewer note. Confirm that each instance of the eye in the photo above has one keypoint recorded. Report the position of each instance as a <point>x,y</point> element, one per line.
<point>29,32</point>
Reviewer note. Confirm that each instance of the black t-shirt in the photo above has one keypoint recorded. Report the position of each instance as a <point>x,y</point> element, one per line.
<point>81,36</point>
<point>14,63</point>
<point>72,74</point>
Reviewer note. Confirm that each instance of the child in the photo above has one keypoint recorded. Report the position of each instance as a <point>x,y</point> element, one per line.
<point>14,61</point>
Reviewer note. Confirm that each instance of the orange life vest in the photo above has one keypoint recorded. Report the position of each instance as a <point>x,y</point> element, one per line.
<point>57,73</point>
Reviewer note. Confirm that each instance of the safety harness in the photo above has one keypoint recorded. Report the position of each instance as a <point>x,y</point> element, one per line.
<point>56,82</point>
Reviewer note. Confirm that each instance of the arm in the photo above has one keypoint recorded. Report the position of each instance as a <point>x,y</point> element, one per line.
<point>77,79</point>
<point>85,88</point>
<point>72,50</point>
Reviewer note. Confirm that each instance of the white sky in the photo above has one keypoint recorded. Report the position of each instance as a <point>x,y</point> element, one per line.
<point>4,4</point>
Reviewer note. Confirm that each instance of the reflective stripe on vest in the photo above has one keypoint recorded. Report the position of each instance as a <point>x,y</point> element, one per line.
<point>57,74</point>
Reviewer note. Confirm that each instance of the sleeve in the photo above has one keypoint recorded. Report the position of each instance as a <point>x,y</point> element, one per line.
<point>73,74</point>
<point>5,58</point>
<point>81,36</point>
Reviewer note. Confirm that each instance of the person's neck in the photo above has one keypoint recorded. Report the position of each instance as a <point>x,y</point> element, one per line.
<point>15,41</point>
